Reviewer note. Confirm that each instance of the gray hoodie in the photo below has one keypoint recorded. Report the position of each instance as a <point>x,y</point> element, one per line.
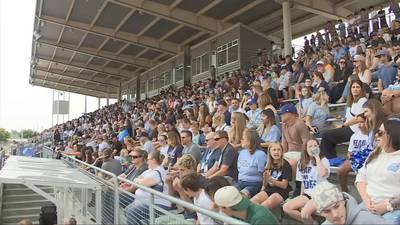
<point>358,214</point>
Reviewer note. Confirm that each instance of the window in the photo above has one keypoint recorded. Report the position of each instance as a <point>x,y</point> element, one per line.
<point>205,62</point>
<point>228,53</point>
<point>179,73</point>
<point>168,78</point>
<point>221,55</point>
<point>143,87</point>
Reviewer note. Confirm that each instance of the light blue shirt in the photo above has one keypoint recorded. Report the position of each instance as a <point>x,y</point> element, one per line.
<point>271,135</point>
<point>251,167</point>
<point>254,117</point>
<point>319,115</point>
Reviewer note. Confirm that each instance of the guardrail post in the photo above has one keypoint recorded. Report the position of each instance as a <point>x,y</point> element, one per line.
<point>116,200</point>
<point>151,210</point>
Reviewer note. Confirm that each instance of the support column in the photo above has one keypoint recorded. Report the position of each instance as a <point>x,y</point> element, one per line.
<point>287,27</point>
<point>98,103</point>
<point>108,101</point>
<point>120,91</point>
<point>187,77</point>
<point>85,104</point>
<point>138,89</point>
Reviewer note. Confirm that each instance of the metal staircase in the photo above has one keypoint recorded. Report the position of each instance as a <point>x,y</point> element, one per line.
<point>20,202</point>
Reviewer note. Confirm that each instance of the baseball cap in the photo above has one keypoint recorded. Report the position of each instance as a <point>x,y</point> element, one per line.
<point>227,196</point>
<point>252,101</point>
<point>287,108</point>
<point>320,62</point>
<point>325,194</point>
<point>382,52</point>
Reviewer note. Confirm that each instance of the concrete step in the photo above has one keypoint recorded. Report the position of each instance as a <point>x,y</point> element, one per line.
<point>20,204</point>
<point>24,197</point>
<point>21,211</point>
<point>25,191</point>
<point>15,219</point>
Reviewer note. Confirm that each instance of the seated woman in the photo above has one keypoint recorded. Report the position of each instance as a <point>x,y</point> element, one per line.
<point>342,133</point>
<point>268,130</point>
<point>311,169</point>
<point>319,83</point>
<point>138,211</point>
<point>378,181</point>
<point>186,164</point>
<point>218,123</point>
<point>305,99</point>
<point>175,149</point>
<point>251,162</point>
<point>238,124</point>
<point>277,175</point>
<point>318,113</point>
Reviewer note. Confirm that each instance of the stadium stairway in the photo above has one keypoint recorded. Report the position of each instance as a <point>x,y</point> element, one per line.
<point>19,202</point>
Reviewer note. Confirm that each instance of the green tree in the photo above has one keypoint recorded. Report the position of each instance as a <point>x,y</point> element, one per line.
<point>15,134</point>
<point>4,135</point>
<point>28,133</point>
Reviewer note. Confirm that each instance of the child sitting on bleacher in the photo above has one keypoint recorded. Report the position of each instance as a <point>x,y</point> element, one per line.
<point>311,169</point>
<point>276,178</point>
<point>358,142</point>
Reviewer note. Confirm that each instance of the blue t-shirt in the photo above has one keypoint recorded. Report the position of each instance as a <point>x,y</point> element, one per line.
<point>273,135</point>
<point>319,115</point>
<point>387,73</point>
<point>251,167</point>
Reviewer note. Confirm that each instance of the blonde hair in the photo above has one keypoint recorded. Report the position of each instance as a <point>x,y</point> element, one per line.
<point>237,128</point>
<point>321,98</point>
<point>218,120</point>
<point>187,161</point>
<point>124,152</point>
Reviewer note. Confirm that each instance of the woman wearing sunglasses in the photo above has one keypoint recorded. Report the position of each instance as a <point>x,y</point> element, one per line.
<point>342,74</point>
<point>378,181</point>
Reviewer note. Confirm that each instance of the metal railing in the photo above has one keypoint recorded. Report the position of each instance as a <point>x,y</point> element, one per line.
<point>117,206</point>
<point>2,158</point>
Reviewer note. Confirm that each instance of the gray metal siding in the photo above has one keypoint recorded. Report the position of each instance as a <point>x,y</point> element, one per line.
<point>249,43</point>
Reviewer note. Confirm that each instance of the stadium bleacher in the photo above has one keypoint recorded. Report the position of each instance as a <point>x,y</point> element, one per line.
<point>205,114</point>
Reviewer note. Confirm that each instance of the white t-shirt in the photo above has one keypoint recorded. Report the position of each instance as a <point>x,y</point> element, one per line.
<point>358,141</point>
<point>355,109</point>
<point>144,196</point>
<point>205,202</point>
<point>310,177</point>
<point>382,176</point>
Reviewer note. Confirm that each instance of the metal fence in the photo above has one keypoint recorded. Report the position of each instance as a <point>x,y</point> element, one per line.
<point>113,205</point>
<point>2,158</point>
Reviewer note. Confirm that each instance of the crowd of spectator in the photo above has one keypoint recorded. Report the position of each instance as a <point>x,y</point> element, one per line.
<point>250,141</point>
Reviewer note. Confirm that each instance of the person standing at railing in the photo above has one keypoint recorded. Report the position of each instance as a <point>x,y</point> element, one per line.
<point>137,213</point>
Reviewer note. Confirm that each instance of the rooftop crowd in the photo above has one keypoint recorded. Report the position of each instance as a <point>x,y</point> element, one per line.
<point>250,141</point>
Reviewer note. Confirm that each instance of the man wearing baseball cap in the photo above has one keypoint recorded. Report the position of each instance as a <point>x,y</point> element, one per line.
<point>387,72</point>
<point>254,114</point>
<point>295,135</point>
<point>232,203</point>
<point>340,208</point>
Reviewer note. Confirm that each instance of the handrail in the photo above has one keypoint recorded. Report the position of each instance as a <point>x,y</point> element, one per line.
<point>206,212</point>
